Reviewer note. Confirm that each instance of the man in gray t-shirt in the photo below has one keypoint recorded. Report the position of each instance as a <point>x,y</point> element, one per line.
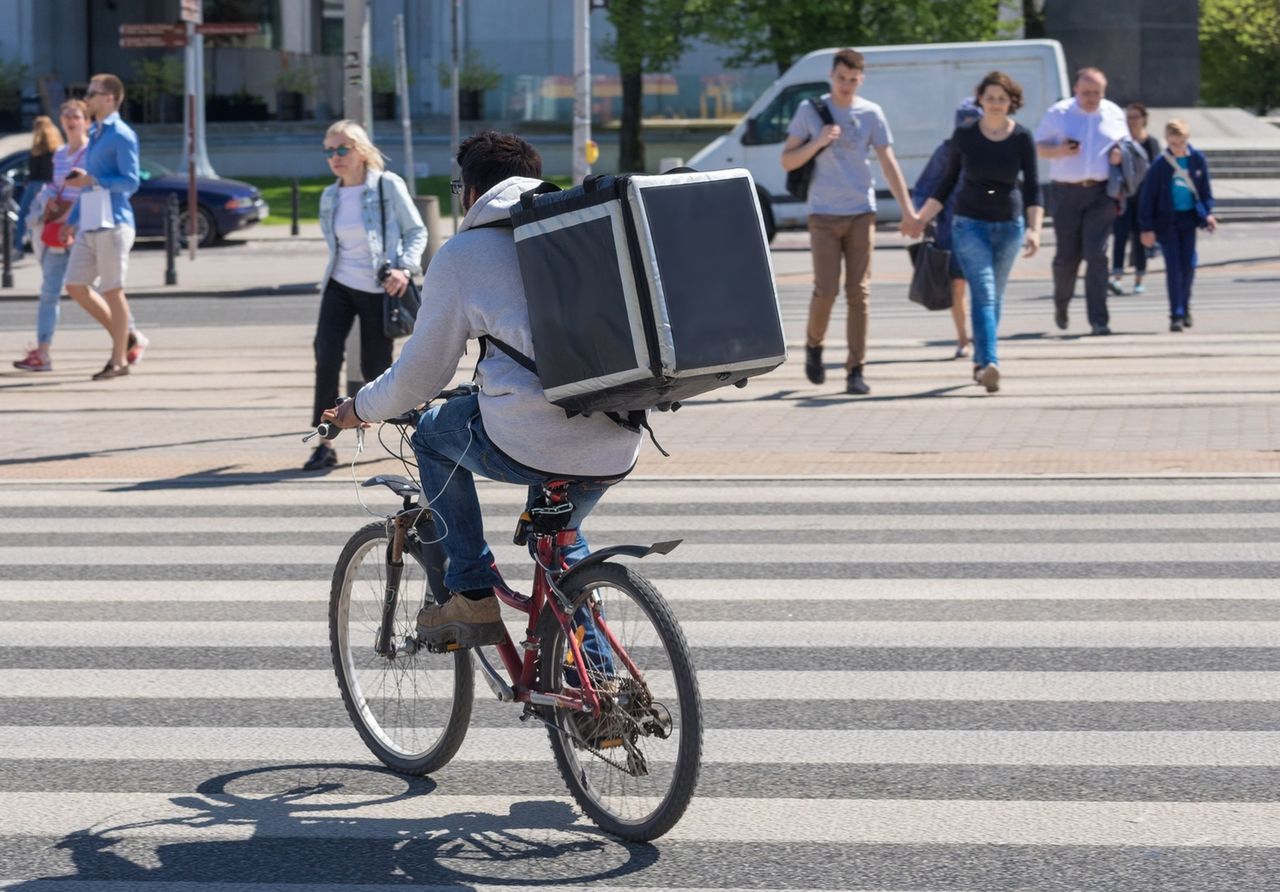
<point>842,207</point>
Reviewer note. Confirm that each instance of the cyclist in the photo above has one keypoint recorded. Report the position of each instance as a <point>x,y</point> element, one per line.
<point>507,431</point>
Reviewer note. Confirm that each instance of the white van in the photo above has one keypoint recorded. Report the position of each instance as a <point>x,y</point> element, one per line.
<point>918,86</point>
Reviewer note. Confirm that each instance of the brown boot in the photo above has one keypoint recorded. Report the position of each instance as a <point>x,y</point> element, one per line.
<point>462,621</point>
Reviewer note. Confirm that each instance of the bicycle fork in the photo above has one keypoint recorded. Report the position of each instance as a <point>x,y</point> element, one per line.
<point>384,646</point>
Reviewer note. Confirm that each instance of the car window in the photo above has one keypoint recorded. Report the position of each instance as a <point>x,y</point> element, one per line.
<point>147,169</point>
<point>772,123</point>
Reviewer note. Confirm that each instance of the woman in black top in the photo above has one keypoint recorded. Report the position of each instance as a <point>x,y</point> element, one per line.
<point>45,140</point>
<point>986,160</point>
<point>1125,230</point>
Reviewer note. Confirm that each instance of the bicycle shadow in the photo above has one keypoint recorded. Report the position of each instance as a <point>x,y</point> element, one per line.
<point>341,823</point>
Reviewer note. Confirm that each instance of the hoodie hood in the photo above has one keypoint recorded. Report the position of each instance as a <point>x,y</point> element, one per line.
<point>496,204</point>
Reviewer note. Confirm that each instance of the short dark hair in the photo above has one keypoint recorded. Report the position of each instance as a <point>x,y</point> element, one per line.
<point>1139,108</point>
<point>1004,82</point>
<point>112,85</point>
<point>489,157</point>
<point>849,59</point>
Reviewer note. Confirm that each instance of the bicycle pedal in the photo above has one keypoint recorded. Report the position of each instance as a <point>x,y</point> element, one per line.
<point>611,743</point>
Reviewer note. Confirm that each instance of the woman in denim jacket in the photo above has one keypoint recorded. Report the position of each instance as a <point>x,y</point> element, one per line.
<point>361,267</point>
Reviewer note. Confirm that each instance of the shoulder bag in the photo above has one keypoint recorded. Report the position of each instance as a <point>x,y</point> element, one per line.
<point>1202,212</point>
<point>398,313</point>
<point>798,180</point>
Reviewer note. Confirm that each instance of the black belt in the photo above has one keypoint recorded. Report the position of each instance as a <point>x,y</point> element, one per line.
<point>1082,184</point>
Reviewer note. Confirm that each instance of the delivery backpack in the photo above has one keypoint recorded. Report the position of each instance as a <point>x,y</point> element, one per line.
<point>646,290</point>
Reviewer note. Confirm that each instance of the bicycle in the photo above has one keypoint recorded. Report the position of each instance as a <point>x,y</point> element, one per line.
<point>622,709</point>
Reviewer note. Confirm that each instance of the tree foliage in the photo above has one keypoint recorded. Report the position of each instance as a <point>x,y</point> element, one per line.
<point>770,32</point>
<point>1240,53</point>
<point>650,36</point>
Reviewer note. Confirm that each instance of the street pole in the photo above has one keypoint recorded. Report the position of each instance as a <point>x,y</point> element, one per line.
<point>204,167</point>
<point>454,116</point>
<point>356,106</point>
<point>402,87</point>
<point>581,88</point>
<point>193,211</point>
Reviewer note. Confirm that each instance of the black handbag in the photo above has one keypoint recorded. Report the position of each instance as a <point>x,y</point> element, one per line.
<point>931,281</point>
<point>798,180</point>
<point>398,313</point>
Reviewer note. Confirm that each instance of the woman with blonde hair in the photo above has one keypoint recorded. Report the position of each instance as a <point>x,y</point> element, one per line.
<point>376,239</point>
<point>49,209</point>
<point>45,140</point>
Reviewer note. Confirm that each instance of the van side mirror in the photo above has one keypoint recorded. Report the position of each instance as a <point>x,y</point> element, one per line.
<point>751,136</point>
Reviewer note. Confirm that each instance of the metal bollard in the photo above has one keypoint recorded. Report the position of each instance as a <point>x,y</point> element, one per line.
<point>294,199</point>
<point>171,216</point>
<point>6,198</point>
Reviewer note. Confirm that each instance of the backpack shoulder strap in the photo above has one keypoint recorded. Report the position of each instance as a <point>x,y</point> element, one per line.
<point>823,112</point>
<point>519,358</point>
<point>1182,174</point>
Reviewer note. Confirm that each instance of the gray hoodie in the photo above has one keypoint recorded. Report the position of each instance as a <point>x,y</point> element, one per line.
<point>473,288</point>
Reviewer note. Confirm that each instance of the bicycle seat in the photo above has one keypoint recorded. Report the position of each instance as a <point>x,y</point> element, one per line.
<point>401,486</point>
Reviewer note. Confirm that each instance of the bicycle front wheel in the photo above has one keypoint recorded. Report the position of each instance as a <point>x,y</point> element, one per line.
<point>634,767</point>
<point>411,707</point>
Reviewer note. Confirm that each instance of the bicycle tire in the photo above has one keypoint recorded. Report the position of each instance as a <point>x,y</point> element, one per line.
<point>586,778</point>
<point>381,721</point>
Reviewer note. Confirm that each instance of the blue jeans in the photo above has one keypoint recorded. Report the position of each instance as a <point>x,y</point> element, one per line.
<point>53,267</point>
<point>452,446</point>
<point>1178,243</point>
<point>986,249</point>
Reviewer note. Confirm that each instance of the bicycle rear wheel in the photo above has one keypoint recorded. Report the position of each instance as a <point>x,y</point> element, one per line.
<point>633,769</point>
<point>412,708</point>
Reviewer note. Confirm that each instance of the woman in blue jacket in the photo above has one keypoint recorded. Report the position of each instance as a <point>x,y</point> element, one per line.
<point>1176,200</point>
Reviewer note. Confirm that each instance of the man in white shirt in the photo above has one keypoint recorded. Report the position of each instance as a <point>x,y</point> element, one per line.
<point>1078,136</point>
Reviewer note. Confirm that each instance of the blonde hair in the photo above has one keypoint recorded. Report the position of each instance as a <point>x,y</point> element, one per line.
<point>360,141</point>
<point>45,137</point>
<point>74,105</point>
<point>1177,127</point>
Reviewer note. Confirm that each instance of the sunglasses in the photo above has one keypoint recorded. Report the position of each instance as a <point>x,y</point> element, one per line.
<point>455,186</point>
<point>340,151</point>
<point>91,93</point>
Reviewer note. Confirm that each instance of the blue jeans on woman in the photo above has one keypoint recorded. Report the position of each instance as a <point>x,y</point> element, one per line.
<point>452,446</point>
<point>1178,243</point>
<point>53,267</point>
<point>986,249</point>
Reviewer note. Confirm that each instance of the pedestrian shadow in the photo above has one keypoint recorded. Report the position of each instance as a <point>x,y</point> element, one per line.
<point>836,398</point>
<point>99,453</point>
<point>225,476</point>
<point>340,824</point>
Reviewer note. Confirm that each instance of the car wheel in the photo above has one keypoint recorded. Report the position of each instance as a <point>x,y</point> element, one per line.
<point>766,212</point>
<point>206,228</point>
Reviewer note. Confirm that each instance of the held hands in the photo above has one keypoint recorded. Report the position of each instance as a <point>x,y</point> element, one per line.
<point>396,282</point>
<point>344,416</point>
<point>912,226</point>
<point>1148,239</point>
<point>81,178</point>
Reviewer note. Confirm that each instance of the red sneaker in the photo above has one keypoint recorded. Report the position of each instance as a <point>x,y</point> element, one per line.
<point>34,361</point>
<point>138,344</point>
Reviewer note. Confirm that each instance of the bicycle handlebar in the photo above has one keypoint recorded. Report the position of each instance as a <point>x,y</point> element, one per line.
<point>327,431</point>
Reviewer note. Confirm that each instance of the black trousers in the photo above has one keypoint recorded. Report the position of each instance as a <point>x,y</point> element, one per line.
<point>1082,220</point>
<point>339,308</point>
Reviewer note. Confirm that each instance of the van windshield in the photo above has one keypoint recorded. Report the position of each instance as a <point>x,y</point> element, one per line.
<point>771,124</point>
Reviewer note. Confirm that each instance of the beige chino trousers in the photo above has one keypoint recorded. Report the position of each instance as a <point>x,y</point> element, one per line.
<point>833,237</point>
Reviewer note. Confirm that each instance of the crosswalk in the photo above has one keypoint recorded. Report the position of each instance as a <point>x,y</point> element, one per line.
<point>908,685</point>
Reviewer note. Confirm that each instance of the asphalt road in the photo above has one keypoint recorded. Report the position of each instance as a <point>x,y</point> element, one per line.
<point>982,685</point>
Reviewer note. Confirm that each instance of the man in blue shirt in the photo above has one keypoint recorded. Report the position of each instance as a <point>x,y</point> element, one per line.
<point>103,223</point>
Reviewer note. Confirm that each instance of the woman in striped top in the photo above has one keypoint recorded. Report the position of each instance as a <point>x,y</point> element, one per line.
<point>52,205</point>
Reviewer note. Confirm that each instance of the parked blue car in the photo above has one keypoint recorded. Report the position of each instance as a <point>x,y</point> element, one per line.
<point>224,205</point>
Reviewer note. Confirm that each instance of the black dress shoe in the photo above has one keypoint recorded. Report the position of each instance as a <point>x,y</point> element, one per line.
<point>323,457</point>
<point>1101,330</point>
<point>813,369</point>
<point>1175,323</point>
<point>1186,320</point>
<point>855,385</point>
<point>1060,316</point>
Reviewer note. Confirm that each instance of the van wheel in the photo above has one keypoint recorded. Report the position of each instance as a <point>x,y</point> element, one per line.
<point>766,212</point>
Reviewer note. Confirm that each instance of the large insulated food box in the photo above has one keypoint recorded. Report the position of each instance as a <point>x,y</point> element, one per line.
<point>647,290</point>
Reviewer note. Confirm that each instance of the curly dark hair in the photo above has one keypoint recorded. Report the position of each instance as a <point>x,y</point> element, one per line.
<point>1004,82</point>
<point>489,157</point>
